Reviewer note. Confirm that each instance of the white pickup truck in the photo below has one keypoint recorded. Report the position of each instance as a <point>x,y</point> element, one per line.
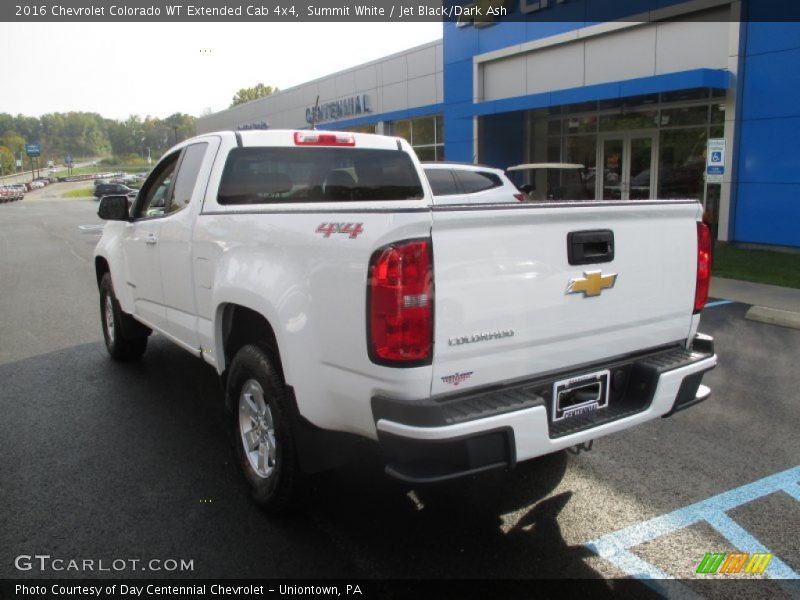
<point>337,301</point>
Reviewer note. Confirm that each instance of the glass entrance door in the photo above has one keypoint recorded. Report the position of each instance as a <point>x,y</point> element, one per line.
<point>628,166</point>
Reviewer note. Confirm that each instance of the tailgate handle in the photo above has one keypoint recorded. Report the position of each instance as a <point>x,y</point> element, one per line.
<point>590,247</point>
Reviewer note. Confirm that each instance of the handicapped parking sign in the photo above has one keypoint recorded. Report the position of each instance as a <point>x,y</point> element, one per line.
<point>715,160</point>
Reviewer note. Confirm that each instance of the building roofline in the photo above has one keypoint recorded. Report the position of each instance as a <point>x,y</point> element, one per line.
<point>432,44</point>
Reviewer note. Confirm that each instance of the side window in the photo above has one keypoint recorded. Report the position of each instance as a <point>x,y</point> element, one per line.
<point>153,197</point>
<point>187,176</point>
<point>442,182</point>
<point>477,181</point>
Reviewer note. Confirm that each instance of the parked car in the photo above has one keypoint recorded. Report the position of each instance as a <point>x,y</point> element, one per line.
<point>9,193</point>
<point>107,189</point>
<point>553,181</point>
<point>459,183</point>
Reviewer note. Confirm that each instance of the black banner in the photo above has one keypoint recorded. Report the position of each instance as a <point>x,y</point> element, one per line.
<point>479,13</point>
<point>439,589</point>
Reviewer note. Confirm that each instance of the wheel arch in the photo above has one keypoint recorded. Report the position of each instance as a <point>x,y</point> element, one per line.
<point>101,267</point>
<point>238,325</point>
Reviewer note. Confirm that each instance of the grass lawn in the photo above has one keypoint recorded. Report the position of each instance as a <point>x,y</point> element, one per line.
<point>79,193</point>
<point>761,266</point>
<point>63,172</point>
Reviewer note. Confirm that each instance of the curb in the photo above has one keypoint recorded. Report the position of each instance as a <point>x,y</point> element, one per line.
<point>773,316</point>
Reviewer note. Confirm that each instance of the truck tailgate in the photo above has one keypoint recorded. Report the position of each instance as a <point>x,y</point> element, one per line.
<point>502,277</point>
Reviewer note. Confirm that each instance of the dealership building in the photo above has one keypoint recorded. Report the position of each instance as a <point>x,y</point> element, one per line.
<point>697,99</point>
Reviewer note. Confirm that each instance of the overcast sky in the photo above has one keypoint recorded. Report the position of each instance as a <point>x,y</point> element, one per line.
<point>119,69</point>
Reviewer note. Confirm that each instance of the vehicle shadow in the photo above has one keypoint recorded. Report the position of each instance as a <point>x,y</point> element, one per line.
<point>102,459</point>
<point>500,524</point>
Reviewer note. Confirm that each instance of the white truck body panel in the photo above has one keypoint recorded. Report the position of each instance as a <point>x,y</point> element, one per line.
<point>507,270</point>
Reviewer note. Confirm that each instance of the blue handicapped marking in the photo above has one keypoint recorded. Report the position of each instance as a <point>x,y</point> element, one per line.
<point>716,157</point>
<point>615,547</point>
<point>718,303</point>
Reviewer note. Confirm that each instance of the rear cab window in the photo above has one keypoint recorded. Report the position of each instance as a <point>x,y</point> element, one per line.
<point>285,175</point>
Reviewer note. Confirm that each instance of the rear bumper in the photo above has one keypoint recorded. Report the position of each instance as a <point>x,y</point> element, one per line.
<point>442,438</point>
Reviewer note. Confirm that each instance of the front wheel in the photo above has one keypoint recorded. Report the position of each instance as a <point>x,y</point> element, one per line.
<point>261,429</point>
<point>117,325</point>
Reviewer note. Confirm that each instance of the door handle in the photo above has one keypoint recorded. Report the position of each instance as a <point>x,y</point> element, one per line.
<point>590,247</point>
<point>151,239</point>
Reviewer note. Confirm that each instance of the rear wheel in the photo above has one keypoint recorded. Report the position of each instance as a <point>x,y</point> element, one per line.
<point>117,325</point>
<point>261,428</point>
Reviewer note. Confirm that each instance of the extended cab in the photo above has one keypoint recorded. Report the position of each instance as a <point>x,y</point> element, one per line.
<point>338,301</point>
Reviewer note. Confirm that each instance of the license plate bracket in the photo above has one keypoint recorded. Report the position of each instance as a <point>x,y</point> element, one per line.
<point>580,395</point>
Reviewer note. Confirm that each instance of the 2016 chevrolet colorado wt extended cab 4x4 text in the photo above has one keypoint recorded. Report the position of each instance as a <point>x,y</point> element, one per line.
<point>315,271</point>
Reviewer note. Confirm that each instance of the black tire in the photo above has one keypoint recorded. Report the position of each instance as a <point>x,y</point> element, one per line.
<point>275,487</point>
<point>121,345</point>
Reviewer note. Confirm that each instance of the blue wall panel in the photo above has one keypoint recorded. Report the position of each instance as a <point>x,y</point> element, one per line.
<point>772,87</point>
<point>768,213</point>
<point>769,37</point>
<point>503,140</point>
<point>767,186</point>
<point>769,151</point>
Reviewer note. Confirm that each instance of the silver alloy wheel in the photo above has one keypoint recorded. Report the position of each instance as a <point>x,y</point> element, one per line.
<point>108,314</point>
<point>257,429</point>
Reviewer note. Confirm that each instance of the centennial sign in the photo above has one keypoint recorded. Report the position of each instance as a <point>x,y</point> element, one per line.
<point>339,109</point>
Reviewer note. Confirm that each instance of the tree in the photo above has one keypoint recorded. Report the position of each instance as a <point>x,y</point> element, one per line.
<point>253,93</point>
<point>7,162</point>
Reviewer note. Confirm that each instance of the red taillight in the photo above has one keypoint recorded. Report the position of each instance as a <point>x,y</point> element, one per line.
<point>316,138</point>
<point>703,266</point>
<point>520,197</point>
<point>401,303</point>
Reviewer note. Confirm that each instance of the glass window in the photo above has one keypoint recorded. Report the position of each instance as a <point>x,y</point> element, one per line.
<point>554,127</point>
<point>681,163</point>
<point>361,129</point>
<point>644,119</point>
<point>473,181</point>
<point>554,150</point>
<point>425,153</point>
<point>187,176</point>
<point>582,107</point>
<point>291,174</point>
<point>423,131</point>
<point>628,102</point>
<point>581,124</point>
<point>582,149</point>
<point>717,114</point>
<point>684,95</point>
<point>425,135</point>
<point>402,129</point>
<point>442,182</point>
<point>153,198</point>
<point>687,115</point>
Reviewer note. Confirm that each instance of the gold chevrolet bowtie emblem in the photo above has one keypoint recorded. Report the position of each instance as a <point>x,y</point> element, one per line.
<point>591,284</point>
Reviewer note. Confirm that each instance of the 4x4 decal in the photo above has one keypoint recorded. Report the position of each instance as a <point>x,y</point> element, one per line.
<point>350,229</point>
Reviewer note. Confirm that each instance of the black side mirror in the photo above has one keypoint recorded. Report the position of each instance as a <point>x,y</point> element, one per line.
<point>113,208</point>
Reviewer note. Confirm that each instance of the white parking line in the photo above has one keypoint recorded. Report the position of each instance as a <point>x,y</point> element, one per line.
<point>615,547</point>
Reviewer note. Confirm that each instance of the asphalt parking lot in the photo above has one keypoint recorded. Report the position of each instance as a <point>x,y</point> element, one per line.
<point>102,460</point>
